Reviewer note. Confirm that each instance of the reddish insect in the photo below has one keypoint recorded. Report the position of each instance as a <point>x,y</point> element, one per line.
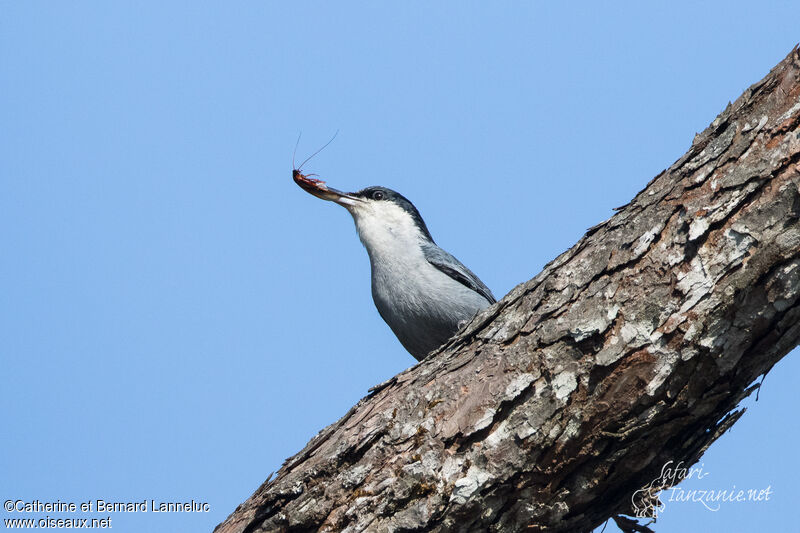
<point>305,180</point>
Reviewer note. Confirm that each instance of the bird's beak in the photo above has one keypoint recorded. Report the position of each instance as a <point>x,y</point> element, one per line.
<point>319,189</point>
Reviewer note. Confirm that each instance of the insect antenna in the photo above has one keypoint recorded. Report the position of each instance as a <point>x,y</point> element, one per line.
<point>315,153</point>
<point>295,149</point>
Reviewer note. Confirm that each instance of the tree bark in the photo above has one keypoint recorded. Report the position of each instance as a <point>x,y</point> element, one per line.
<point>630,350</point>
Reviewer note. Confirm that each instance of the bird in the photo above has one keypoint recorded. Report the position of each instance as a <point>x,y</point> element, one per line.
<point>421,291</point>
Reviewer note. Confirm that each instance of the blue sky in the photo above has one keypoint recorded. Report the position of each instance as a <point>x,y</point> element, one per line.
<point>177,317</point>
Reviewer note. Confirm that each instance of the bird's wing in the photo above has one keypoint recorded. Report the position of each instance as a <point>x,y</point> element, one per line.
<point>453,268</point>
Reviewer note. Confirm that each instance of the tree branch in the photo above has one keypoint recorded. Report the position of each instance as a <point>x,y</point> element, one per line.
<point>630,350</point>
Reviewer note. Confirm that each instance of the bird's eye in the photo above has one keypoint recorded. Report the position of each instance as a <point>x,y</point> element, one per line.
<point>377,195</point>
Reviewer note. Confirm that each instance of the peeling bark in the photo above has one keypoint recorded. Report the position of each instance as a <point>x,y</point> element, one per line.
<point>631,349</point>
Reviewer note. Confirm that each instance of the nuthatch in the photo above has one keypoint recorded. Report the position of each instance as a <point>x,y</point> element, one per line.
<point>422,292</point>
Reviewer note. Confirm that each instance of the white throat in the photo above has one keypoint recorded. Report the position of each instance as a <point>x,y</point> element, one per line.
<point>388,232</point>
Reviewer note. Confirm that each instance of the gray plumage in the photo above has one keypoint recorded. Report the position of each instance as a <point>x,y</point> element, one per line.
<point>422,292</point>
<point>428,303</point>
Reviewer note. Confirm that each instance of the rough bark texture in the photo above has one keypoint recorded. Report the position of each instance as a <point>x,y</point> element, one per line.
<point>630,350</point>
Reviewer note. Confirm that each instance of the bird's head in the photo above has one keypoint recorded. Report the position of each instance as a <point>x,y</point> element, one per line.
<point>385,219</point>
